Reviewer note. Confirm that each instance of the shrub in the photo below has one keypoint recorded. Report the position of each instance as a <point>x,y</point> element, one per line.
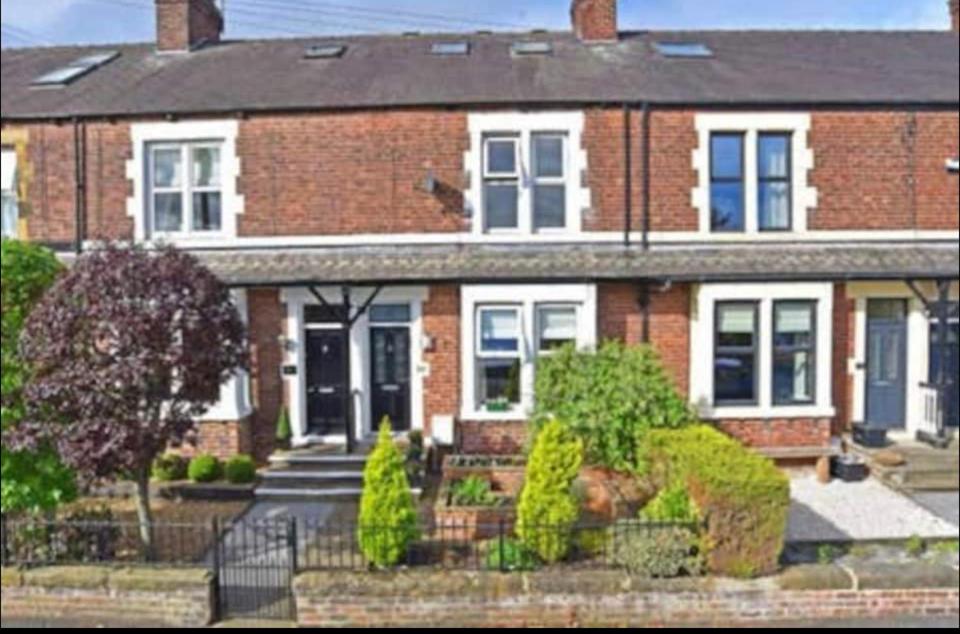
<point>240,470</point>
<point>672,504</point>
<point>827,554</point>
<point>170,468</point>
<point>284,432</point>
<point>472,491</point>
<point>204,469</point>
<point>609,399</point>
<point>915,546</point>
<point>741,495</point>
<point>388,515</point>
<point>592,542</point>
<point>661,554</point>
<point>548,508</point>
<point>516,557</point>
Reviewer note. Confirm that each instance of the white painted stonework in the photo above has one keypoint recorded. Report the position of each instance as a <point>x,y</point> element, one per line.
<point>751,125</point>
<point>702,331</point>
<point>232,203</point>
<point>235,403</point>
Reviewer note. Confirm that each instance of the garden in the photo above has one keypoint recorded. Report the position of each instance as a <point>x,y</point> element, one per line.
<point>618,474</point>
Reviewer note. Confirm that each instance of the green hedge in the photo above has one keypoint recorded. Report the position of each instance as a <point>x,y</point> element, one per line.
<point>609,399</point>
<point>741,495</point>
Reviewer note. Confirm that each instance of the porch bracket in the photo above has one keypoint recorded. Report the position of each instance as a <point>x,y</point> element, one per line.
<point>362,310</point>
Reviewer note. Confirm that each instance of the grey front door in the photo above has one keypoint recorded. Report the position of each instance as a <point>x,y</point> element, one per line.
<point>886,363</point>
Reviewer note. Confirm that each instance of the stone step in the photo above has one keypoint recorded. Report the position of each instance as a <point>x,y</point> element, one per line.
<point>332,495</point>
<point>317,463</point>
<point>930,480</point>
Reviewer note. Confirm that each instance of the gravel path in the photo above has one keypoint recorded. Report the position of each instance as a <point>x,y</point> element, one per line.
<point>861,511</point>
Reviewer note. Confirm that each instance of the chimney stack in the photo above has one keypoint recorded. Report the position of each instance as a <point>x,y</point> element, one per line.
<point>595,20</point>
<point>955,15</point>
<point>183,25</point>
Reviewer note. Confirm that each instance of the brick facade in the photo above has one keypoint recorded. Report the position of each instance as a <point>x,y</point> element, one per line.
<point>780,433</point>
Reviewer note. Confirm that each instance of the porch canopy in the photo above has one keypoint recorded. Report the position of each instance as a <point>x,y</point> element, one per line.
<point>558,263</point>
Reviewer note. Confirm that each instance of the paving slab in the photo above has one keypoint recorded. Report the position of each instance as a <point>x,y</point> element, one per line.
<point>944,505</point>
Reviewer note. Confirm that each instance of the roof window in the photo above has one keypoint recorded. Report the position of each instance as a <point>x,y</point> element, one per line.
<point>325,51</point>
<point>532,48</point>
<point>683,49</point>
<point>75,69</point>
<point>450,48</point>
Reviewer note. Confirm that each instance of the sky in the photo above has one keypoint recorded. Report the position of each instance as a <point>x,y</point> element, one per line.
<point>49,22</point>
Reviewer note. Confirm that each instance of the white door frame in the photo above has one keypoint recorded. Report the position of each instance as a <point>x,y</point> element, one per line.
<point>918,347</point>
<point>296,300</point>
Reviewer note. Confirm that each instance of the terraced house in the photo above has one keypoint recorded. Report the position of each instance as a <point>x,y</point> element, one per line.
<point>410,222</point>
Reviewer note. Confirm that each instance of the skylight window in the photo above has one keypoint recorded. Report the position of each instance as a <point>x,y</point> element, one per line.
<point>683,49</point>
<point>325,51</point>
<point>450,48</point>
<point>76,69</point>
<point>532,48</point>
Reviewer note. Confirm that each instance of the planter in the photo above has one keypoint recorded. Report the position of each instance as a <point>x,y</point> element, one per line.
<point>472,524</point>
<point>850,469</point>
<point>497,408</point>
<point>505,473</point>
<point>869,437</point>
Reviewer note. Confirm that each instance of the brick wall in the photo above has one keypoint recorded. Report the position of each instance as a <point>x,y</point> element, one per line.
<point>493,438</point>
<point>223,439</point>
<point>343,173</point>
<point>100,597</point>
<point>590,600</point>
<point>441,323</point>
<point>792,432</point>
<point>620,317</point>
<point>266,316</point>
<point>844,327</point>
<point>336,174</point>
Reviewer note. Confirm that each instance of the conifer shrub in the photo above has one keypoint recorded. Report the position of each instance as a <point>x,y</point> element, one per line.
<point>388,514</point>
<point>742,497</point>
<point>548,508</point>
<point>284,432</point>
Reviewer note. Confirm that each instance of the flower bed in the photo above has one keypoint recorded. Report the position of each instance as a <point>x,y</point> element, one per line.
<point>505,473</point>
<point>473,522</point>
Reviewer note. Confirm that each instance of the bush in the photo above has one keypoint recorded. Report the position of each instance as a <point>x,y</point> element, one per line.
<point>743,498</point>
<point>388,515</point>
<point>660,554</point>
<point>204,469</point>
<point>548,508</point>
<point>516,557</point>
<point>472,491</point>
<point>672,504</point>
<point>30,481</point>
<point>240,470</point>
<point>169,468</point>
<point>609,399</point>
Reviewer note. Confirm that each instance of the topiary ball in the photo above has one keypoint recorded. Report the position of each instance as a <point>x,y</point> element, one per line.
<point>204,469</point>
<point>240,470</point>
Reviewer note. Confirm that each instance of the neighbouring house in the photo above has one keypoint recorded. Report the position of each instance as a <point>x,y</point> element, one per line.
<point>409,222</point>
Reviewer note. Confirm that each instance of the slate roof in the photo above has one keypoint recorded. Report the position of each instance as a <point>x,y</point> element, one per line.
<point>584,263</point>
<point>749,67</point>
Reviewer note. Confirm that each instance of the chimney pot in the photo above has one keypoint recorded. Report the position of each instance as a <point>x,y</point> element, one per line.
<point>183,25</point>
<point>595,20</point>
<point>955,15</point>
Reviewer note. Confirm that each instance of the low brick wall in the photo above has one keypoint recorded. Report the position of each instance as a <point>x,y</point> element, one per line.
<point>588,600</point>
<point>94,597</point>
<point>780,433</point>
<point>493,438</point>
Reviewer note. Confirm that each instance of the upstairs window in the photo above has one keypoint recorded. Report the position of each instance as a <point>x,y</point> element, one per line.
<point>11,214</point>
<point>185,189</point>
<point>774,182</point>
<point>727,182</point>
<point>549,182</point>
<point>501,186</point>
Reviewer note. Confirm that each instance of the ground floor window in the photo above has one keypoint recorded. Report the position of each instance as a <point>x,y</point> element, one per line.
<point>757,350</point>
<point>506,329</point>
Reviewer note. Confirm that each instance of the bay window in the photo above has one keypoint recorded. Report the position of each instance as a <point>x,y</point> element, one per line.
<point>506,330</point>
<point>10,204</point>
<point>794,353</point>
<point>762,351</point>
<point>185,188</point>
<point>735,357</point>
<point>498,355</point>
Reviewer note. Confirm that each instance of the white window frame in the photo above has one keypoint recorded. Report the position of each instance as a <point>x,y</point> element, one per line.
<point>538,330</point>
<point>528,299</point>
<point>140,204</point>
<point>491,177</point>
<point>481,355</point>
<point>10,194</point>
<point>186,189</point>
<point>752,126</point>
<point>702,350</point>
<point>524,127</point>
<point>562,180</point>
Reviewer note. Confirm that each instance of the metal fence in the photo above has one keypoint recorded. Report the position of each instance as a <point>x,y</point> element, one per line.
<point>35,542</point>
<point>319,546</point>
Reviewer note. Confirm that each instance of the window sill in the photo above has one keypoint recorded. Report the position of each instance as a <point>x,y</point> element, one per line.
<point>483,416</point>
<point>759,412</point>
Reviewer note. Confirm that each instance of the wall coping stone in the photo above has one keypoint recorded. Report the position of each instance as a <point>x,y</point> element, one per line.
<point>140,579</point>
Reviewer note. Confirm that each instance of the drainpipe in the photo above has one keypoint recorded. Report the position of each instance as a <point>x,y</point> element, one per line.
<point>627,177</point>
<point>80,183</point>
<point>646,176</point>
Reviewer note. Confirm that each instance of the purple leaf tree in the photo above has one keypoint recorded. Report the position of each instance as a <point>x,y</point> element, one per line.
<point>127,350</point>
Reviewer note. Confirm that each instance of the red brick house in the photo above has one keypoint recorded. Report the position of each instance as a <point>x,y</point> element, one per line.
<point>776,213</point>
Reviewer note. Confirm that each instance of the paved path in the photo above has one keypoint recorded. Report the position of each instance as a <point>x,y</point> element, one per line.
<point>944,505</point>
<point>861,511</point>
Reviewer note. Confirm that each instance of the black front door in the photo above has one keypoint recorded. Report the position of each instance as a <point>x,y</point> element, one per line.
<point>952,411</point>
<point>326,382</point>
<point>390,377</point>
<point>886,363</point>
